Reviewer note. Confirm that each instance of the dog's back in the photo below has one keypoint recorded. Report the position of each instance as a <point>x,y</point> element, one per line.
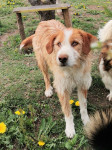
<point>44,30</point>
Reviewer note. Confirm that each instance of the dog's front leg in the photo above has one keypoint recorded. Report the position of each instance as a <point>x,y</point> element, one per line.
<point>82,95</point>
<point>66,108</point>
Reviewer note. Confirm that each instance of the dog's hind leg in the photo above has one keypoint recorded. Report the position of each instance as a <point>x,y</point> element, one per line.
<point>66,108</point>
<point>82,94</point>
<point>44,69</point>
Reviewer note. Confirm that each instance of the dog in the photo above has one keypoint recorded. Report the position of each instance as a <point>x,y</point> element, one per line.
<point>99,130</point>
<point>67,53</point>
<point>105,65</point>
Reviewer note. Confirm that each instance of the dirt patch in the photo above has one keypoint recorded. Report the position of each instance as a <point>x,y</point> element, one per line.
<point>97,96</point>
<point>94,7</point>
<point>5,36</point>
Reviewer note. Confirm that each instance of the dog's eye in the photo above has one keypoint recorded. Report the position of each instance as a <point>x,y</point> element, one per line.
<point>74,43</point>
<point>59,44</point>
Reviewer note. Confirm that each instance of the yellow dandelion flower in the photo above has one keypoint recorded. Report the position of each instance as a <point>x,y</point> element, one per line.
<point>23,112</point>
<point>13,3</point>
<point>98,6</point>
<point>24,16</point>
<point>2,127</point>
<point>71,101</point>
<point>84,7</point>
<point>17,113</point>
<point>77,103</point>
<point>20,112</point>
<point>41,143</point>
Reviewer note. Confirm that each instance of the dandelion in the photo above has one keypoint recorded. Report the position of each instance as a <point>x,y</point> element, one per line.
<point>20,112</point>
<point>76,14</point>
<point>77,103</point>
<point>84,7</point>
<point>41,143</point>
<point>71,101</point>
<point>98,6</point>
<point>2,127</point>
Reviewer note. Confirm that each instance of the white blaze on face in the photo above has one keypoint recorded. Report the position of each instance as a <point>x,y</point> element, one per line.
<point>67,49</point>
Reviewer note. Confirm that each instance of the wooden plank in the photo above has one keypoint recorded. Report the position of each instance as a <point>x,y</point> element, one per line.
<point>67,18</point>
<point>20,26</point>
<point>41,8</point>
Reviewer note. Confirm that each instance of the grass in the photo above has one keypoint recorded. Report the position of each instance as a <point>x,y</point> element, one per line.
<point>22,85</point>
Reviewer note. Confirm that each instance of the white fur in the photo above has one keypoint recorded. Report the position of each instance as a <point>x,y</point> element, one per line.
<point>106,32</point>
<point>83,107</point>
<point>49,92</point>
<point>67,49</point>
<point>71,78</point>
<point>106,78</point>
<point>21,46</point>
<point>110,95</point>
<point>69,130</point>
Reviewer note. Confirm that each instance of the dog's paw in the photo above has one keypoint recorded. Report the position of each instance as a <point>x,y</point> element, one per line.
<point>70,132</point>
<point>49,92</point>
<point>109,97</point>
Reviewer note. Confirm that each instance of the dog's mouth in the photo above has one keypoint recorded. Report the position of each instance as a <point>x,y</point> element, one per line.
<point>63,65</point>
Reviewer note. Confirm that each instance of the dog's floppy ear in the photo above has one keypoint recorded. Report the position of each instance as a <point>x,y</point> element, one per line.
<point>88,39</point>
<point>49,46</point>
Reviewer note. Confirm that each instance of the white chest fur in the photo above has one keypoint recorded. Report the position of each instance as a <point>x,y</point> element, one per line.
<point>71,78</point>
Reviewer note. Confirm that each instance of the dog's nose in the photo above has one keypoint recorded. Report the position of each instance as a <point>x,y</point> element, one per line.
<point>63,58</point>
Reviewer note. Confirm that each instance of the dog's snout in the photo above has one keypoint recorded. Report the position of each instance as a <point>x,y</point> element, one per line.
<point>63,58</point>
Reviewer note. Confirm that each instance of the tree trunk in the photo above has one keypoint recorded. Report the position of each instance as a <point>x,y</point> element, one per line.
<point>45,15</point>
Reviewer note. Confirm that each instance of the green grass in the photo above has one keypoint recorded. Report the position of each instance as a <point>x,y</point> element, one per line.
<point>22,85</point>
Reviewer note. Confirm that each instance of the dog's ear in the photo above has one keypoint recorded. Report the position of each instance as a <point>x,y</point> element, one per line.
<point>88,39</point>
<point>50,44</point>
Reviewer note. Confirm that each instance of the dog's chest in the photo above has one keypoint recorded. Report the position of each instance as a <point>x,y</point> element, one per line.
<point>68,80</point>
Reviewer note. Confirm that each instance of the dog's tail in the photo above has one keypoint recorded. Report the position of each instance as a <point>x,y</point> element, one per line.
<point>105,33</point>
<point>27,43</point>
<point>99,130</point>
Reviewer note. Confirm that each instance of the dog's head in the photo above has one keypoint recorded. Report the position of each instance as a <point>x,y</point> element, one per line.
<point>70,45</point>
<point>106,54</point>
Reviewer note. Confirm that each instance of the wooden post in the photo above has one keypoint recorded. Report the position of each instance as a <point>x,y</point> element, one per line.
<point>20,26</point>
<point>66,17</point>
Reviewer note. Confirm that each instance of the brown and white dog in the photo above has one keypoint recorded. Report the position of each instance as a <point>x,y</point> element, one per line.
<point>105,66</point>
<point>66,51</point>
